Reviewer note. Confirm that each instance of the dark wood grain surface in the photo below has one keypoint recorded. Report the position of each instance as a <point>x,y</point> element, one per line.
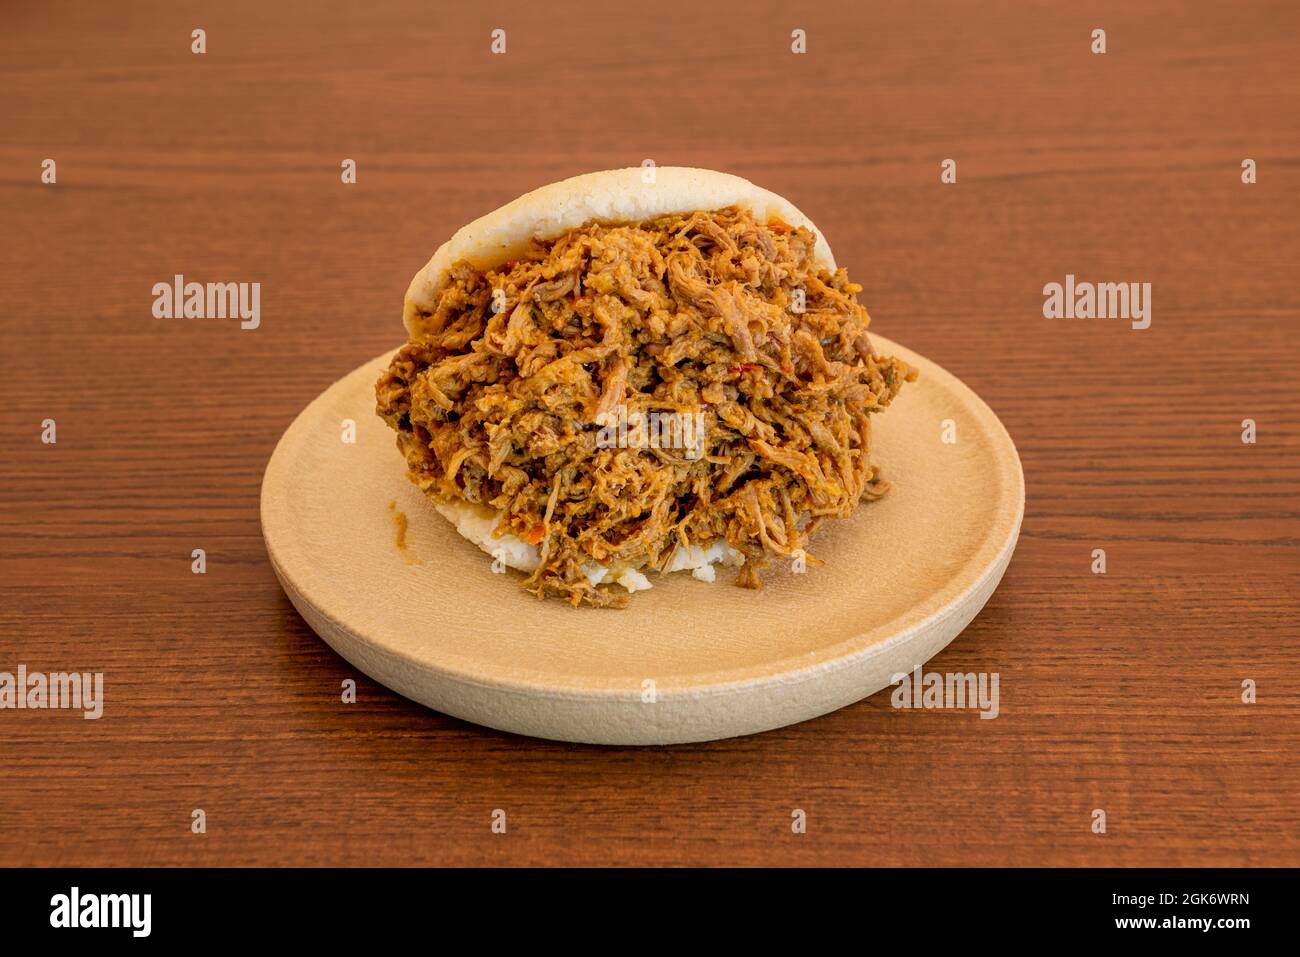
<point>1120,692</point>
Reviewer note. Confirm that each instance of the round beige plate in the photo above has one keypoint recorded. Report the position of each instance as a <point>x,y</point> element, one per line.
<point>686,661</point>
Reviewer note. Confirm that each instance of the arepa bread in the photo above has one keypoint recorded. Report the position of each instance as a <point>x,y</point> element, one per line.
<point>624,195</point>
<point>612,196</point>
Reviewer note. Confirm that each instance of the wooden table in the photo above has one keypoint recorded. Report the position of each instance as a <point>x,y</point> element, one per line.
<point>1119,691</point>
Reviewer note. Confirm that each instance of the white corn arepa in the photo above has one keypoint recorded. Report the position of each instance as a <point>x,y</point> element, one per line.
<point>609,197</point>
<point>477,523</point>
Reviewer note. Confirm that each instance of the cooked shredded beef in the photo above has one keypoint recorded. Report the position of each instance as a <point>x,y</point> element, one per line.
<point>685,313</point>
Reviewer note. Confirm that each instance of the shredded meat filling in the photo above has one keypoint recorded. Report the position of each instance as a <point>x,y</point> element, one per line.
<point>500,400</point>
